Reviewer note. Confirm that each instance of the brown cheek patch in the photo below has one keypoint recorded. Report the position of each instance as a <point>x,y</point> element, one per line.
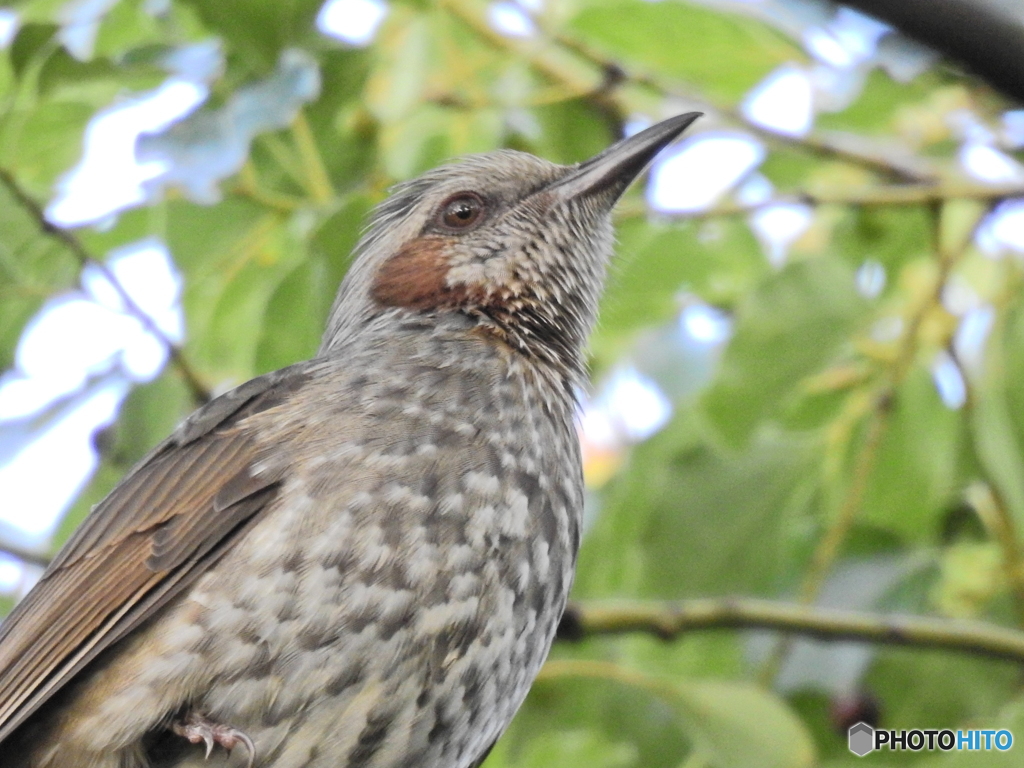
<point>414,278</point>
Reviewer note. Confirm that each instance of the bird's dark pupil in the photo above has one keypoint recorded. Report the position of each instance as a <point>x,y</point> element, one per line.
<point>464,211</point>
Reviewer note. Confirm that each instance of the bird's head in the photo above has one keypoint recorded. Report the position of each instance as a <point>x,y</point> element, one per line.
<point>516,244</point>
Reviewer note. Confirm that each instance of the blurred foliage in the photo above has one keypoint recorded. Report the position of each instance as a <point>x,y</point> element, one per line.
<point>816,461</point>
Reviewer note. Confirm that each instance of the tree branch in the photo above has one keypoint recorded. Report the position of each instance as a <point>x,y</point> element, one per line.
<point>869,196</point>
<point>892,160</point>
<point>671,620</point>
<point>199,391</point>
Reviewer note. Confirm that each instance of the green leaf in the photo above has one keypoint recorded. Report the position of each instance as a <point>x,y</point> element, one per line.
<point>406,56</point>
<point>1011,717</point>
<point>98,81</point>
<point>791,326</point>
<point>996,421</point>
<point>126,26</point>
<point>294,318</point>
<point>684,513</point>
<point>579,746</point>
<point>599,712</point>
<point>130,226</point>
<point>570,721</point>
<point>788,168</point>
<point>207,240</point>
<point>741,725</point>
<point>420,141</point>
<point>433,134</point>
<point>921,686</point>
<point>881,103</point>
<point>230,345</point>
<point>49,142</point>
<point>38,10</point>
<point>33,267</point>
<point>149,414</point>
<point>572,131</point>
<point>15,312</point>
<point>892,236</point>
<point>726,54</point>
<point>335,238</point>
<point>233,256</point>
<point>917,468</point>
<point>258,30</point>
<point>657,263</point>
<point>31,46</point>
<point>344,131</point>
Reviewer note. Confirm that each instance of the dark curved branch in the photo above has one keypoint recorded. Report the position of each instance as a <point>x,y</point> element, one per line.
<point>986,36</point>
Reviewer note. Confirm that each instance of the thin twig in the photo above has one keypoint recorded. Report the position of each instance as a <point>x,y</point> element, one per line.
<point>865,197</point>
<point>671,620</point>
<point>248,185</point>
<point>850,148</point>
<point>318,182</point>
<point>584,73</point>
<point>199,392</point>
<point>828,549</point>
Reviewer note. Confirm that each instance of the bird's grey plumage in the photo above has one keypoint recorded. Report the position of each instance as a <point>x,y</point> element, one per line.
<point>360,560</point>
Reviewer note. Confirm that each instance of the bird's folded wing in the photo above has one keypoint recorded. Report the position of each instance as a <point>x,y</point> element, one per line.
<point>157,531</point>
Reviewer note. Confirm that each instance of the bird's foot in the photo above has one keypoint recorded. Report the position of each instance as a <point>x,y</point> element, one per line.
<point>198,728</point>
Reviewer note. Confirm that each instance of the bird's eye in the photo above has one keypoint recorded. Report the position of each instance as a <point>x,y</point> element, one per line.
<point>461,211</point>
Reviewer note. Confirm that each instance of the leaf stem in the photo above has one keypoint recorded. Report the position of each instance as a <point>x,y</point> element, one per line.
<point>318,183</point>
<point>248,185</point>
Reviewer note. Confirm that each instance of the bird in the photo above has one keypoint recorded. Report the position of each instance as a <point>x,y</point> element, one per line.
<point>360,560</point>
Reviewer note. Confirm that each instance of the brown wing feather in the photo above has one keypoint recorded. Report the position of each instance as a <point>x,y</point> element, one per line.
<point>155,533</point>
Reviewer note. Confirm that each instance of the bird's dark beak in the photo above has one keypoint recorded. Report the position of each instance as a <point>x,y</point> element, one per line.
<point>611,172</point>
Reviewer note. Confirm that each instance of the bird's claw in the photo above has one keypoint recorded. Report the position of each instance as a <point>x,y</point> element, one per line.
<point>198,728</point>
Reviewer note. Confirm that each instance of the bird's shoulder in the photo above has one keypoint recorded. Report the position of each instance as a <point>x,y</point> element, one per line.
<point>174,513</point>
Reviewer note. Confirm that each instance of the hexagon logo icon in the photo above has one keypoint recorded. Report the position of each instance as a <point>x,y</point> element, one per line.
<point>861,738</point>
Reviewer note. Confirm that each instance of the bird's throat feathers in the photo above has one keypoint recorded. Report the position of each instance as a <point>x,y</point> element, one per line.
<point>540,309</point>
